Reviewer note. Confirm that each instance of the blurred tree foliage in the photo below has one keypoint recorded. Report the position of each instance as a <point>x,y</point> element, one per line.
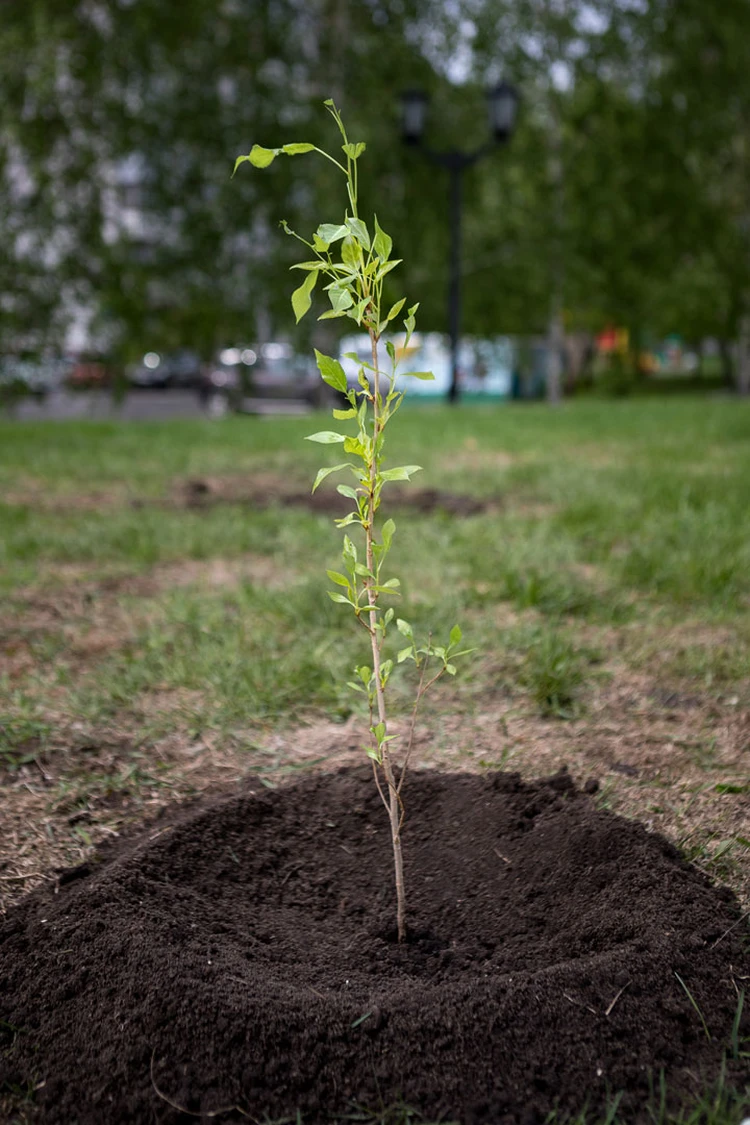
<point>120,125</point>
<point>623,197</point>
<point>644,223</point>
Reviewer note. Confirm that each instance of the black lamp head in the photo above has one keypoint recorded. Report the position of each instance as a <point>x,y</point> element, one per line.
<point>413,115</point>
<point>502,107</point>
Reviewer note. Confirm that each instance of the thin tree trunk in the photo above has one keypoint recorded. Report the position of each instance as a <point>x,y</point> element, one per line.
<point>555,344</point>
<point>555,329</point>
<point>743,357</point>
<point>727,362</point>
<point>394,803</point>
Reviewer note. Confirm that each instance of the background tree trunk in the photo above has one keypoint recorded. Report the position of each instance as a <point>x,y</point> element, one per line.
<point>742,364</point>
<point>555,345</point>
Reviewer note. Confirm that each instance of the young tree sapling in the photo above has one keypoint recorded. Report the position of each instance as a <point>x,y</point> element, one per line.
<point>354,263</point>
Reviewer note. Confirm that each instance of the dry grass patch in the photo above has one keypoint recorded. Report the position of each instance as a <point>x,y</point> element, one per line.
<point>52,496</point>
<point>87,787</point>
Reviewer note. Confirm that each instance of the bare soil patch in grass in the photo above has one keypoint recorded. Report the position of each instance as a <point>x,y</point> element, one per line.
<point>255,490</point>
<point>238,960</point>
<point>264,490</point>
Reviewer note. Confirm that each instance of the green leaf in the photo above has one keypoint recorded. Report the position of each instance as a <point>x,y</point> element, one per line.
<point>350,549</point>
<point>390,348</point>
<point>359,311</point>
<point>396,309</point>
<point>331,232</point>
<point>376,757</point>
<point>301,298</point>
<point>331,371</point>
<point>360,232</point>
<point>388,267</point>
<point>347,490</point>
<point>319,243</point>
<point>340,598</point>
<point>455,635</point>
<point>379,732</point>
<point>296,149</point>
<point>238,161</point>
<point>340,298</point>
<point>389,528</point>
<point>261,157</point>
<point>339,579</point>
<point>391,584</point>
<point>450,669</point>
<point>341,415</point>
<point>351,518</point>
<point>403,472</point>
<point>424,375</point>
<point>326,437</point>
<point>323,473</point>
<point>354,150</point>
<point>354,445</point>
<point>332,314</point>
<point>383,243</point>
<point>350,253</point>
<point>404,628</point>
<point>308,266</point>
<point>355,687</point>
<point>404,654</point>
<point>388,616</point>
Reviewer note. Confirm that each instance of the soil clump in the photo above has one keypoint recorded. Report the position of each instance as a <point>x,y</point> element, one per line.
<point>239,955</point>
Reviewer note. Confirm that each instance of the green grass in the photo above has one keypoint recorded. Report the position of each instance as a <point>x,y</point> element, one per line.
<point>240,649</point>
<point>653,494</point>
<point>612,516</point>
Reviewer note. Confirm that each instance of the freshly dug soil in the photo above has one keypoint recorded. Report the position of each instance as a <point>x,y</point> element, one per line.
<point>202,493</point>
<point>243,955</point>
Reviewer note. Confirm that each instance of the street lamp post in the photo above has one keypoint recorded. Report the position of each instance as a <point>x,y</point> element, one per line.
<point>502,105</point>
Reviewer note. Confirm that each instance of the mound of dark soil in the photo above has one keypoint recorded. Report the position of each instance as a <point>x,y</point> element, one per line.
<point>244,956</point>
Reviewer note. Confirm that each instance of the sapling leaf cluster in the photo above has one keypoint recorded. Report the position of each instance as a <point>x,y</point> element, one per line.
<point>349,261</point>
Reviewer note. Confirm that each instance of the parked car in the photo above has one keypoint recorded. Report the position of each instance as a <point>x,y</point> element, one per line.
<point>173,369</point>
<point>88,373</point>
<point>29,374</point>
<point>262,379</point>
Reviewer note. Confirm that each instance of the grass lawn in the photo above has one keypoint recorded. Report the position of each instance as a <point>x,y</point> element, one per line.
<point>164,627</point>
<point>151,646</point>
